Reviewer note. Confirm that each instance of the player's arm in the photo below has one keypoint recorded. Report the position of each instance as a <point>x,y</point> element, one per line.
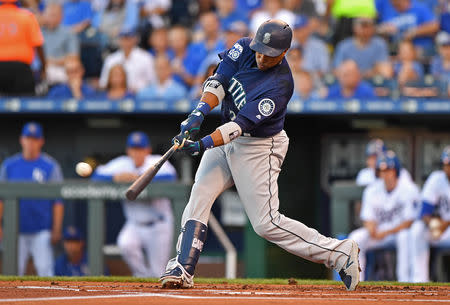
<point>58,216</point>
<point>371,226</point>
<point>404,225</point>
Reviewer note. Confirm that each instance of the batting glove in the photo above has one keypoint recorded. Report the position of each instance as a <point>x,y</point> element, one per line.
<point>191,126</point>
<point>193,148</point>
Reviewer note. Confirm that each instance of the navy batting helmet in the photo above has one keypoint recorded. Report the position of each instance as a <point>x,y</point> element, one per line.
<point>445,156</point>
<point>388,160</point>
<point>272,38</point>
<point>375,147</point>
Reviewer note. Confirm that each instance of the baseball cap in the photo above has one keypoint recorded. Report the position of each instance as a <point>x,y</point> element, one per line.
<point>138,139</point>
<point>375,147</point>
<point>388,160</point>
<point>72,233</point>
<point>443,39</point>
<point>238,27</point>
<point>33,130</point>
<point>128,32</point>
<point>300,22</point>
<point>364,21</point>
<point>445,156</point>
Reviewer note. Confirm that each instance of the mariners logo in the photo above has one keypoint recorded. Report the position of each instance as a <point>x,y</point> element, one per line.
<point>266,107</point>
<point>235,51</point>
<point>266,38</point>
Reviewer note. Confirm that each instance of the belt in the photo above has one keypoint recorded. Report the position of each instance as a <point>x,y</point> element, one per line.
<point>151,222</point>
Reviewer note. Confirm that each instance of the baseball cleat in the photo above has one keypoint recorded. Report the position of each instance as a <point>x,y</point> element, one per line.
<point>176,277</point>
<point>350,271</point>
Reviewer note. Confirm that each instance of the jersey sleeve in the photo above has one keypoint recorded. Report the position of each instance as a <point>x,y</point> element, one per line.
<point>412,208</point>
<point>430,191</point>
<point>107,171</point>
<point>56,174</point>
<point>425,15</point>
<point>230,60</point>
<point>367,213</point>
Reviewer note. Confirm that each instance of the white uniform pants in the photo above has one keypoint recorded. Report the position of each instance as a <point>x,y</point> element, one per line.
<point>253,165</point>
<point>39,246</point>
<point>155,239</point>
<point>400,239</point>
<point>420,245</point>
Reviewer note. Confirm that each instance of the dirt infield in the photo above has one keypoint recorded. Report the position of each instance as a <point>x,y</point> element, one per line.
<point>86,293</point>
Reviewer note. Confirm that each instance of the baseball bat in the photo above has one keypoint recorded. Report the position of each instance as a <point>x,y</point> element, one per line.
<point>136,188</point>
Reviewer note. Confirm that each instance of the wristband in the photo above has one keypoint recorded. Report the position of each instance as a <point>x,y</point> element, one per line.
<point>206,143</point>
<point>204,108</point>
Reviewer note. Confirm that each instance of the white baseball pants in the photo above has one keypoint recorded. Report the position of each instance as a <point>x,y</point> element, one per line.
<point>39,246</point>
<point>253,165</point>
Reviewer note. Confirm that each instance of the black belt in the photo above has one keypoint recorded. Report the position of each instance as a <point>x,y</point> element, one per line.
<point>151,222</point>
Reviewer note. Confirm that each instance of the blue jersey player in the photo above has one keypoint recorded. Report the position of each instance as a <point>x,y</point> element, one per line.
<point>254,84</point>
<point>40,220</point>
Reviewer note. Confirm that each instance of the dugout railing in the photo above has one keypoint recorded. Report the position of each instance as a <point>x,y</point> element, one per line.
<point>96,195</point>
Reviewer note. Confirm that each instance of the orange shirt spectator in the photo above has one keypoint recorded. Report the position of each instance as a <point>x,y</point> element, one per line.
<point>20,36</point>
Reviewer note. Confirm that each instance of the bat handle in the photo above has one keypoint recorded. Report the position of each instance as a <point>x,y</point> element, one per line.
<point>177,144</point>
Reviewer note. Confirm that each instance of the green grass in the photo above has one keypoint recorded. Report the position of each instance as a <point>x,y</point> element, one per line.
<point>206,281</point>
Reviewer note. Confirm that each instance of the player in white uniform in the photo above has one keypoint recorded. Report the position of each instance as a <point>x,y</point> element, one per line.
<point>388,210</point>
<point>367,175</point>
<point>435,197</point>
<point>149,224</point>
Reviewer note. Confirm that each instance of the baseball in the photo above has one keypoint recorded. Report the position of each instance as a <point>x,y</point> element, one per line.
<point>83,169</point>
<point>435,228</point>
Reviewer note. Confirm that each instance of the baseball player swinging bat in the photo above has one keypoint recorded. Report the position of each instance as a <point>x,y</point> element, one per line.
<point>136,188</point>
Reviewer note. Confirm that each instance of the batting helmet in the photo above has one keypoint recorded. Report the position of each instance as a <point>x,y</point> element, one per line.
<point>445,156</point>
<point>272,38</point>
<point>375,147</point>
<point>387,160</point>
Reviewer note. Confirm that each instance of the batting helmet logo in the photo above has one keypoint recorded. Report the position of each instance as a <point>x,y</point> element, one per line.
<point>266,38</point>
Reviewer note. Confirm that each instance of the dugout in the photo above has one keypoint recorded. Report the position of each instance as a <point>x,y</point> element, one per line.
<point>327,144</point>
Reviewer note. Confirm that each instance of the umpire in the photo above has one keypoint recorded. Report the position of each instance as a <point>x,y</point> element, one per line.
<point>20,36</point>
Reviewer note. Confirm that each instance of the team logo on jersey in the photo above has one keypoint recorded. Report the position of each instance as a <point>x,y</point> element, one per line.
<point>266,38</point>
<point>237,93</point>
<point>38,175</point>
<point>235,51</point>
<point>266,107</point>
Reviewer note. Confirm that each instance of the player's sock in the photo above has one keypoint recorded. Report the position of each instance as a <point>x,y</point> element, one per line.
<point>192,240</point>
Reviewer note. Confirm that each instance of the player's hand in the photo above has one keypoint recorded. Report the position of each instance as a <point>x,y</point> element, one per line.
<point>56,237</point>
<point>381,235</point>
<point>191,126</point>
<point>193,148</point>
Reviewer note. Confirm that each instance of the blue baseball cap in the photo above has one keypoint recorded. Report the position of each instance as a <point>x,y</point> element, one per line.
<point>138,139</point>
<point>300,22</point>
<point>72,233</point>
<point>238,27</point>
<point>128,32</point>
<point>33,130</point>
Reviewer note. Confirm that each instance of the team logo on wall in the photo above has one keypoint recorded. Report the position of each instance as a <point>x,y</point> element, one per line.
<point>235,51</point>
<point>266,106</point>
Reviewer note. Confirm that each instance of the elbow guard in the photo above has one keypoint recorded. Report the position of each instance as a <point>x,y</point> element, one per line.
<point>229,131</point>
<point>214,86</point>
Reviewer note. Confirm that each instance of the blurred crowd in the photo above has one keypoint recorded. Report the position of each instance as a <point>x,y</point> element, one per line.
<point>155,49</point>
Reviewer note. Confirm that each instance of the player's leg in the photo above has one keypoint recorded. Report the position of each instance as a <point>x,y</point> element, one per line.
<point>42,253</point>
<point>158,245</point>
<point>362,237</point>
<point>130,245</point>
<point>24,250</point>
<point>402,239</point>
<point>255,164</point>
<point>420,252</point>
<point>212,178</point>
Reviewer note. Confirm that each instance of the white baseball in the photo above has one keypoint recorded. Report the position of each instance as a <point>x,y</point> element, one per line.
<point>83,169</point>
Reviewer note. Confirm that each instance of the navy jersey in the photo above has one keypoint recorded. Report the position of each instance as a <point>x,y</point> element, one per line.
<point>256,100</point>
<point>35,214</point>
<point>63,266</point>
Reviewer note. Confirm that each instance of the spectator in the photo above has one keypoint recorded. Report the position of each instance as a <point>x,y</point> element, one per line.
<point>295,58</point>
<point>149,224</point>
<point>117,87</point>
<point>78,15</point>
<point>440,65</point>
<point>17,50</point>
<point>35,6</point>
<point>178,42</point>
<point>248,7</point>
<point>406,68</point>
<point>303,86</point>
<point>445,21</point>
<point>159,43</point>
<point>388,210</point>
<point>197,90</point>
<point>302,7</point>
<point>350,84</point>
<point>368,51</point>
<point>435,201</point>
<point>271,9</point>
<point>198,51</point>
<point>165,87</point>
<point>59,42</point>
<point>154,10</point>
<point>73,262</point>
<point>368,175</point>
<point>316,58</point>
<point>75,86</point>
<point>344,12</point>
<point>227,13</point>
<point>137,62</point>
<point>112,19</point>
<point>40,220</point>
<point>408,20</point>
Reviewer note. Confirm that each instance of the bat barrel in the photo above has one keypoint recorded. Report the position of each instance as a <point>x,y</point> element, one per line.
<point>131,194</point>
